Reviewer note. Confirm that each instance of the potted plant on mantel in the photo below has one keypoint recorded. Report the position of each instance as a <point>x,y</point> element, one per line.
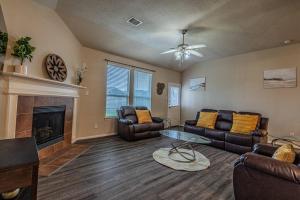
<point>23,51</point>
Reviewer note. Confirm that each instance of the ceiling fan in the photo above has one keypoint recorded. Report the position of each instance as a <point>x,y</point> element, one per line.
<point>184,51</point>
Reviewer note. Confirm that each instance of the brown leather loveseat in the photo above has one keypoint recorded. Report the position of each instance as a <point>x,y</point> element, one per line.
<point>129,129</point>
<point>258,176</point>
<point>221,137</point>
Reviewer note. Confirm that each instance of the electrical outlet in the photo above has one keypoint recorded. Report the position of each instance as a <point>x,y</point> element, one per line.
<point>96,125</point>
<point>292,133</point>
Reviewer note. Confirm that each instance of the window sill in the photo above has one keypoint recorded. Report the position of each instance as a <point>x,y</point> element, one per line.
<point>110,118</point>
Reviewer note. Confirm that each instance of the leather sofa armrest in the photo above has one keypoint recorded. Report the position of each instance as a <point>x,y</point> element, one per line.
<point>260,133</point>
<point>191,122</point>
<point>126,121</point>
<point>157,120</point>
<point>264,149</point>
<point>271,166</point>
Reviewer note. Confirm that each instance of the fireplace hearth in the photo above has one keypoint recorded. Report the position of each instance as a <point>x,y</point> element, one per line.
<point>48,125</point>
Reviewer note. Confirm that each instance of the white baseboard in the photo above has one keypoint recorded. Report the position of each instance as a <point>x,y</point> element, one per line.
<point>93,137</point>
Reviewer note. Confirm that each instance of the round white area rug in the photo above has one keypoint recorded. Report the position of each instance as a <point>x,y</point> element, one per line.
<point>161,156</point>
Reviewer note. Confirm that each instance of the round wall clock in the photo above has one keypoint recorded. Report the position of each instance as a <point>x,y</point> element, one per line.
<point>56,67</point>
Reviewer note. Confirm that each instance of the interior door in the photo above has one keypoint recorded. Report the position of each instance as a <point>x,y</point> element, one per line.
<point>174,93</point>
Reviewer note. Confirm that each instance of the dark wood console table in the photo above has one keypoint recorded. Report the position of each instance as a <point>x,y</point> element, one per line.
<point>19,164</point>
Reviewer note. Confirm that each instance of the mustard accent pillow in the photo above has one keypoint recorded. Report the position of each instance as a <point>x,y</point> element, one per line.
<point>285,153</point>
<point>244,124</point>
<point>207,119</point>
<point>143,116</point>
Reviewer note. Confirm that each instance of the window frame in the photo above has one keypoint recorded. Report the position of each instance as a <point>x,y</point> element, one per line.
<point>105,91</point>
<point>131,76</point>
<point>179,94</point>
<point>133,88</point>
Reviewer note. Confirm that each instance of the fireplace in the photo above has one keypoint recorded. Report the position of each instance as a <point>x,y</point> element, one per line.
<point>48,125</point>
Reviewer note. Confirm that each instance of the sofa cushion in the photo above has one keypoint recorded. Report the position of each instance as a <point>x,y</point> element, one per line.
<point>253,113</point>
<point>239,139</point>
<point>204,110</point>
<point>128,110</point>
<point>223,125</point>
<point>138,128</point>
<point>244,123</point>
<point>156,126</point>
<point>226,115</point>
<point>133,118</point>
<point>194,129</point>
<point>285,153</point>
<point>207,119</point>
<point>235,148</point>
<point>215,134</point>
<point>143,116</point>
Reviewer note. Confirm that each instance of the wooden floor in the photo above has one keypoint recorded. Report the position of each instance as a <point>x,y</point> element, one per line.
<point>115,169</point>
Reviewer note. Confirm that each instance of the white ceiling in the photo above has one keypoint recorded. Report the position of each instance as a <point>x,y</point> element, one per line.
<point>227,27</point>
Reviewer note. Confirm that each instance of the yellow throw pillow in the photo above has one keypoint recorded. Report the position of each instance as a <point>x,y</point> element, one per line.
<point>244,124</point>
<point>143,116</point>
<point>207,119</point>
<point>285,153</point>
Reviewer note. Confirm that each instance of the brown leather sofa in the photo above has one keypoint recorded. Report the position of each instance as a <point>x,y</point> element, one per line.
<point>258,176</point>
<point>221,136</point>
<point>129,129</point>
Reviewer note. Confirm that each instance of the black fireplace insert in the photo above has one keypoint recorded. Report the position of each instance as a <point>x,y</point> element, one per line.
<point>48,125</point>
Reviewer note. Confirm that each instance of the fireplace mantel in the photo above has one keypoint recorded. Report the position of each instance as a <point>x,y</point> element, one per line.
<point>13,85</point>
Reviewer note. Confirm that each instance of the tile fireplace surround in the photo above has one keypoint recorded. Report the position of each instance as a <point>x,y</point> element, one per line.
<point>19,94</point>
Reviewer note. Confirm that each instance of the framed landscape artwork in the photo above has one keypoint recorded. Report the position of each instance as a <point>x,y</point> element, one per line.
<point>197,83</point>
<point>280,78</point>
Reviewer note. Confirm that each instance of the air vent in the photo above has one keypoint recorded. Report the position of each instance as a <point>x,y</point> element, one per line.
<point>134,21</point>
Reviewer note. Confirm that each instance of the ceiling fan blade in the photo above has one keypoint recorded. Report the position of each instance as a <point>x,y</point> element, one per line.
<point>169,51</point>
<point>197,46</point>
<point>196,53</point>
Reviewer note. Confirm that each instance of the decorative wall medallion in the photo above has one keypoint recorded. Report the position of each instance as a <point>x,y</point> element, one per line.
<point>56,67</point>
<point>160,88</point>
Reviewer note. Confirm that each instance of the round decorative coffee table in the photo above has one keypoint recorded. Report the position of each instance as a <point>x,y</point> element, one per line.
<point>181,155</point>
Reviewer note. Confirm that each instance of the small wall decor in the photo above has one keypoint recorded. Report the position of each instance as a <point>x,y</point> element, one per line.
<point>197,83</point>
<point>280,78</point>
<point>56,67</point>
<point>80,73</point>
<point>160,88</point>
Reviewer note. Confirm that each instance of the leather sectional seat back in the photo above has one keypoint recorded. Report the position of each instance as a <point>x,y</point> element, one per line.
<point>221,136</point>
<point>129,128</point>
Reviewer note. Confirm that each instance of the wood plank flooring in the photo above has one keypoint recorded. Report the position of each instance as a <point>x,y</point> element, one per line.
<point>115,169</point>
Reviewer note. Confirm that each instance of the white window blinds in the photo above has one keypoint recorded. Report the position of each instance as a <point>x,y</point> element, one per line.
<point>117,89</point>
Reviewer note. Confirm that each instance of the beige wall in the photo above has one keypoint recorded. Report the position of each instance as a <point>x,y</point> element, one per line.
<point>92,106</point>
<point>237,83</point>
<point>49,35</point>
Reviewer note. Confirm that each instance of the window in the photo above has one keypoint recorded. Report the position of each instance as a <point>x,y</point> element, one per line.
<point>142,88</point>
<point>121,91</point>
<point>174,96</point>
<point>117,89</point>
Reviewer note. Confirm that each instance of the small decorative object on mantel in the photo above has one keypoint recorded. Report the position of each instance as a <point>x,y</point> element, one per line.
<point>80,73</point>
<point>10,194</point>
<point>56,67</point>
<point>160,88</point>
<point>23,51</point>
<point>197,83</point>
<point>280,78</point>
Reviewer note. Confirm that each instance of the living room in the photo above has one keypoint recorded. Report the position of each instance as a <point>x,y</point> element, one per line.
<point>150,99</point>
